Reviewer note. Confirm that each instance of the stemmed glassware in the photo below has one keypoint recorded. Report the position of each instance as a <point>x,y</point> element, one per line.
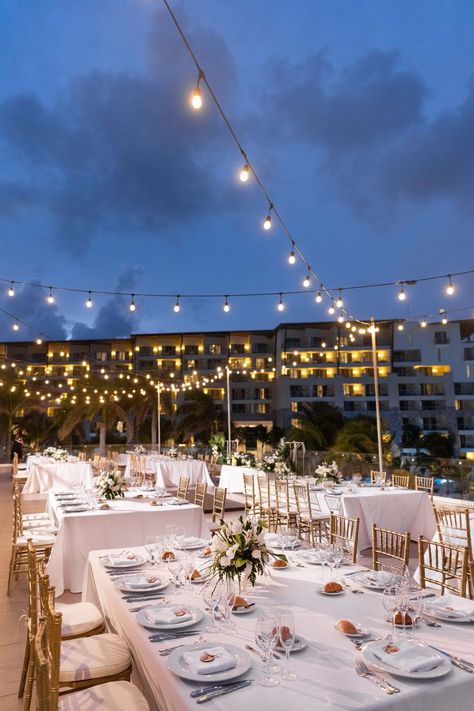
<point>391,602</point>
<point>227,603</point>
<point>287,638</point>
<point>151,549</point>
<point>175,566</point>
<point>266,635</point>
<point>212,593</point>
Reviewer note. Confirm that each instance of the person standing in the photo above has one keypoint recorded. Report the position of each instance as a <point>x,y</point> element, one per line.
<point>17,448</point>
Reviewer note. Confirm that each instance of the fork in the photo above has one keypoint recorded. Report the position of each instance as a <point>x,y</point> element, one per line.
<point>166,651</point>
<point>363,671</point>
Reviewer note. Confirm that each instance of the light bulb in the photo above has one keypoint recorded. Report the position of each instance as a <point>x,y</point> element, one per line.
<point>331,309</point>
<point>339,301</point>
<point>281,305</point>
<point>400,327</point>
<point>423,323</point>
<point>39,341</point>
<point>132,306</point>
<point>196,99</point>
<point>401,295</point>
<point>319,297</point>
<point>16,326</point>
<point>348,325</point>
<point>226,305</point>
<point>89,302</point>
<point>244,173</point>
<point>306,281</point>
<point>50,298</point>
<point>444,320</point>
<point>177,307</point>
<point>340,318</point>
<point>450,288</point>
<point>292,258</point>
<point>11,290</point>
<point>323,344</point>
<point>267,223</point>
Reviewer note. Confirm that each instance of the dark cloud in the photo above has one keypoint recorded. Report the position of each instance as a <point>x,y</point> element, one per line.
<point>118,152</point>
<point>29,305</point>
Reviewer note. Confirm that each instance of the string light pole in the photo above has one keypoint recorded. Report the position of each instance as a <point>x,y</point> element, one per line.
<point>229,418</point>
<point>373,332</point>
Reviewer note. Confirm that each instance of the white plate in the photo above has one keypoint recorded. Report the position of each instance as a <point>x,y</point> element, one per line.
<point>368,655</point>
<point>362,580</point>
<point>109,562</point>
<point>122,584</point>
<point>312,559</point>
<point>438,614</point>
<point>177,664</point>
<point>74,509</point>
<point>361,631</point>
<point>323,592</point>
<point>286,567</point>
<point>198,543</point>
<point>196,613</point>
<point>244,610</point>
<point>299,644</point>
<point>180,502</point>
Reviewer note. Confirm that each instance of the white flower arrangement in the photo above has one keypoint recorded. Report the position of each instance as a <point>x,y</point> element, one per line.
<point>328,472</point>
<point>240,552</point>
<point>109,484</point>
<point>269,463</point>
<point>56,453</point>
<point>242,459</point>
<point>139,449</point>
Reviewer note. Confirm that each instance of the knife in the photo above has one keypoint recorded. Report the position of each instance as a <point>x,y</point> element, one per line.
<point>220,692</point>
<point>457,661</point>
<point>215,687</point>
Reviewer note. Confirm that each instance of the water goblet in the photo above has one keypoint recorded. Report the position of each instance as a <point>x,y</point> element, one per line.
<point>151,550</point>
<point>391,603</point>
<point>227,603</point>
<point>175,566</point>
<point>212,594</point>
<point>287,638</point>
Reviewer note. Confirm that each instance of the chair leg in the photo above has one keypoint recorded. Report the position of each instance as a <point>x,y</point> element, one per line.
<point>30,678</point>
<point>10,571</point>
<point>26,660</point>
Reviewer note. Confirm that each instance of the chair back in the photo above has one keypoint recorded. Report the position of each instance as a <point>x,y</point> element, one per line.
<point>218,503</point>
<point>183,486</point>
<point>346,530</point>
<point>440,564</point>
<point>200,493</point>
<point>282,496</point>
<point>390,544</point>
<point>454,527</point>
<point>250,499</point>
<point>303,505</point>
<point>47,652</point>
<point>33,594</point>
<point>375,475</point>
<point>15,463</point>
<point>334,503</point>
<point>424,483</point>
<point>401,480</point>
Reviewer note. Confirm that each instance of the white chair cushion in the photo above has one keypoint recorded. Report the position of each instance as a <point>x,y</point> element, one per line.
<point>79,617</point>
<point>41,531</point>
<point>113,696</point>
<point>93,657</point>
<point>40,523</point>
<point>38,539</point>
<point>36,517</point>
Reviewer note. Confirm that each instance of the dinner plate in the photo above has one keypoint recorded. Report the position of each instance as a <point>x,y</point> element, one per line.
<point>75,509</point>
<point>196,613</point>
<point>285,567</point>
<point>438,614</point>
<point>122,583</point>
<point>368,653</point>
<point>299,644</point>
<point>244,610</point>
<point>193,545</point>
<point>177,664</point>
<point>311,558</point>
<point>275,542</point>
<point>361,631</point>
<point>362,579</point>
<point>111,562</point>
<point>330,594</point>
<point>177,502</point>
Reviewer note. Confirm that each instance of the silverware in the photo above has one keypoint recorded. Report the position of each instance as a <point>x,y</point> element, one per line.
<point>216,686</point>
<point>260,654</point>
<point>463,664</point>
<point>430,623</point>
<point>358,643</point>
<point>166,651</point>
<point>139,598</point>
<point>221,692</point>
<point>163,637</point>
<point>363,671</point>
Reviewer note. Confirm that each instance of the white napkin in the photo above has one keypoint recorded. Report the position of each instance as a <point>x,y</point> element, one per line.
<point>140,581</point>
<point>123,558</point>
<point>411,657</point>
<point>223,660</point>
<point>379,577</point>
<point>166,616</point>
<point>191,541</point>
<point>460,607</point>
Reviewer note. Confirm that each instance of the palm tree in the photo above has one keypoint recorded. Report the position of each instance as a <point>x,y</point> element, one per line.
<point>37,428</point>
<point>359,435</point>
<point>198,417</point>
<point>318,425</point>
<point>13,401</point>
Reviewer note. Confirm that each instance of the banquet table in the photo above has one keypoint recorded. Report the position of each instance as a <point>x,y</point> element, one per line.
<point>232,477</point>
<point>46,474</point>
<point>327,679</point>
<point>168,470</point>
<point>396,509</point>
<point>127,522</point>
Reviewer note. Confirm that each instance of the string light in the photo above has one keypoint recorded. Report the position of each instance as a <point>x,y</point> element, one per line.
<point>401,294</point>
<point>267,223</point>
<point>39,341</point>
<point>340,318</point>
<point>196,97</point>
<point>132,306</point>
<point>400,326</point>
<point>89,302</point>
<point>319,297</point>
<point>331,309</point>
<point>16,326</point>
<point>281,305</point>
<point>11,290</point>
<point>339,300</point>
<point>423,323</point>
<point>177,306</point>
<point>444,320</point>
<point>244,173</point>
<point>450,287</point>
<point>307,279</point>
<point>50,298</point>
<point>226,305</point>
<point>292,257</point>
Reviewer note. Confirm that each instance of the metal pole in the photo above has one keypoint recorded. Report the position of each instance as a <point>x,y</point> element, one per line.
<point>229,422</point>
<point>376,388</point>
<point>158,412</point>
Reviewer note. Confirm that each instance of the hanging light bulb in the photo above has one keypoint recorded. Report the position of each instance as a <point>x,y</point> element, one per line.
<point>331,309</point>
<point>400,327</point>
<point>16,326</point>
<point>50,298</point>
<point>450,287</point>
<point>281,305</point>
<point>226,305</point>
<point>292,257</point>
<point>340,318</point>
<point>339,300</point>
<point>196,98</point>
<point>11,290</point>
<point>348,324</point>
<point>89,302</point>
<point>401,294</point>
<point>177,306</point>
<point>132,306</point>
<point>444,320</point>
<point>244,173</point>
<point>39,341</point>
<point>307,279</point>
<point>267,223</point>
<point>319,297</point>
<point>423,323</point>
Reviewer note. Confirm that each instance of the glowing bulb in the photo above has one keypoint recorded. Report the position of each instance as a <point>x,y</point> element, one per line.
<point>444,320</point>
<point>292,258</point>
<point>340,318</point>
<point>401,295</point>
<point>16,326</point>
<point>339,301</point>
<point>177,307</point>
<point>331,309</point>
<point>244,173</point>
<point>281,305</point>
<point>319,297</point>
<point>39,341</point>
<point>267,223</point>
<point>132,306</point>
<point>89,302</point>
<point>11,290</point>
<point>423,323</point>
<point>348,325</point>
<point>50,298</point>
<point>226,305</point>
<point>323,344</point>
<point>306,281</point>
<point>196,99</point>
<point>450,288</point>
<point>400,327</point>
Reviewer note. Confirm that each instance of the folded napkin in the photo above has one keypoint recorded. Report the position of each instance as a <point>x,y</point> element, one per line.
<point>191,541</point>
<point>222,661</point>
<point>411,657</point>
<point>379,577</point>
<point>143,581</point>
<point>451,606</point>
<point>167,615</point>
<point>122,558</point>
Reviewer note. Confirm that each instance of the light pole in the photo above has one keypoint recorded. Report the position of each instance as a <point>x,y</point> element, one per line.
<point>229,421</point>
<point>158,412</point>
<point>372,330</point>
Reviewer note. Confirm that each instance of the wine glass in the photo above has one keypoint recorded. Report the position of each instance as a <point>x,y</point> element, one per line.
<point>175,566</point>
<point>287,638</point>
<point>212,594</point>
<point>266,635</point>
<point>391,603</point>
<point>151,549</point>
<point>227,603</point>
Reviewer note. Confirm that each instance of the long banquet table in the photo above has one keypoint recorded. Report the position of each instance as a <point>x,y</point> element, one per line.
<point>168,470</point>
<point>397,509</point>
<point>327,679</point>
<point>46,474</point>
<point>126,523</point>
<point>232,477</point>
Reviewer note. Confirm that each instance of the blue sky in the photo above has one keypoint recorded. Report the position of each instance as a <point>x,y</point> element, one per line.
<point>358,116</point>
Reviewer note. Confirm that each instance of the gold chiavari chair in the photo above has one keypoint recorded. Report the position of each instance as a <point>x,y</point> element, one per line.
<point>425,483</point>
<point>200,493</point>
<point>454,528</point>
<point>374,477</point>
<point>440,563</point>
<point>251,501</point>
<point>401,480</point>
<point>390,544</point>
<point>268,510</point>
<point>110,695</point>
<point>311,520</point>
<point>19,477</point>
<point>218,503</point>
<point>287,511</point>
<point>346,530</point>
<point>183,486</point>
<point>334,503</point>
<point>34,520</point>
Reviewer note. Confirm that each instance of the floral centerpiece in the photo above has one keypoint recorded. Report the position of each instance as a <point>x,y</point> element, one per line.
<point>109,484</point>
<point>268,463</point>
<point>139,449</point>
<point>56,453</point>
<point>217,444</point>
<point>240,552</point>
<point>326,472</point>
<point>243,459</point>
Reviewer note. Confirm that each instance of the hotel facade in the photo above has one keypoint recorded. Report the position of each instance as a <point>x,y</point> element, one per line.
<point>426,375</point>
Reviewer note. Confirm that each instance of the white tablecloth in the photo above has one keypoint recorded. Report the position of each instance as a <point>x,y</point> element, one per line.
<point>47,475</point>
<point>128,522</point>
<point>232,477</point>
<point>327,680</point>
<point>168,470</point>
<point>396,509</point>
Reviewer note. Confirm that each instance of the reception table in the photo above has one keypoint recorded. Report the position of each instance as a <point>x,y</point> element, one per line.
<point>397,509</point>
<point>127,522</point>
<point>169,471</point>
<point>327,680</point>
<point>46,474</point>
<point>232,477</point>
